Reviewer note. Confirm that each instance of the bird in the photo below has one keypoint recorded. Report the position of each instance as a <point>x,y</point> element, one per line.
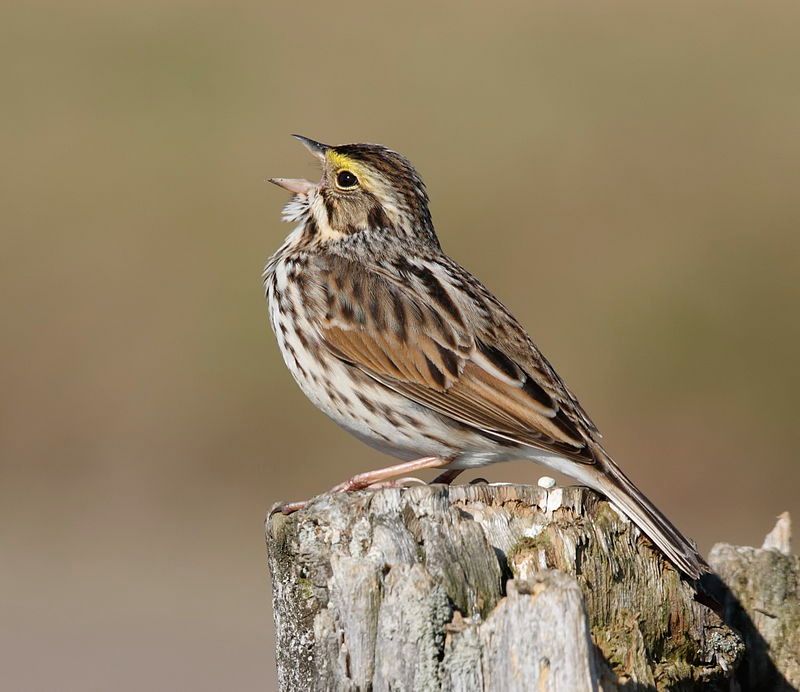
<point>408,351</point>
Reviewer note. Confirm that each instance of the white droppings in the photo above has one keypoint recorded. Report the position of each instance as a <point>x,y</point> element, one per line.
<point>554,499</point>
<point>546,482</point>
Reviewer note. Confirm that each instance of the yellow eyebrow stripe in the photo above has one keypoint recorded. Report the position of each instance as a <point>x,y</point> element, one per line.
<point>339,161</point>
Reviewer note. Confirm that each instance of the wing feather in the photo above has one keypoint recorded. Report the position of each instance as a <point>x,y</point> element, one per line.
<point>415,347</point>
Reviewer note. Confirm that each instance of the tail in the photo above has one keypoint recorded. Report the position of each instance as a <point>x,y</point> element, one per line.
<point>612,482</point>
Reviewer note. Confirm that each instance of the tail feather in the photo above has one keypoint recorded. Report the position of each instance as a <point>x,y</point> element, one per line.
<point>613,483</point>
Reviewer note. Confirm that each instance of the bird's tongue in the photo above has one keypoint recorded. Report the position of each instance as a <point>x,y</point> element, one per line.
<point>299,186</point>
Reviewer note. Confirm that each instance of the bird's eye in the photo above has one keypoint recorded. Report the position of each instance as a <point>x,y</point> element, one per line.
<point>345,179</point>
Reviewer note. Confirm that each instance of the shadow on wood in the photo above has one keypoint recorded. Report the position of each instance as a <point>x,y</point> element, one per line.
<point>759,589</point>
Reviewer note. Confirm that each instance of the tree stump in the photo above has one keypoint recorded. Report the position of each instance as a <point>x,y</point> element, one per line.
<point>505,587</point>
<point>760,592</point>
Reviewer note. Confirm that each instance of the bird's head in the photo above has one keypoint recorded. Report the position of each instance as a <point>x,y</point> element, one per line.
<point>364,187</point>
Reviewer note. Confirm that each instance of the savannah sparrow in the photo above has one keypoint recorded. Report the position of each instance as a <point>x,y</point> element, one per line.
<point>405,349</point>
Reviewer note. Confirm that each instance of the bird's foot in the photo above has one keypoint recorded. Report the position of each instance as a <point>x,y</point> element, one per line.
<point>447,476</point>
<point>370,478</point>
<point>398,483</point>
<point>288,507</point>
<point>380,478</point>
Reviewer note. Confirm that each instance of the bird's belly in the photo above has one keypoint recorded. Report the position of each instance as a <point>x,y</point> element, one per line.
<point>378,416</point>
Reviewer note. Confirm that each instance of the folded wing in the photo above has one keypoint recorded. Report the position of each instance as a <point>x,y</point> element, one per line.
<point>421,345</point>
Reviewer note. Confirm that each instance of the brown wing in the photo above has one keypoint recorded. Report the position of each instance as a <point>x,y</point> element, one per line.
<point>423,344</point>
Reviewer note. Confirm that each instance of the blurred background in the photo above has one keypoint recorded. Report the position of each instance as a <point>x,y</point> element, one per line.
<point>623,175</point>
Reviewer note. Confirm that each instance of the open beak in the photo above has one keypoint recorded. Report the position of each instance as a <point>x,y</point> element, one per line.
<point>298,186</point>
<point>316,148</point>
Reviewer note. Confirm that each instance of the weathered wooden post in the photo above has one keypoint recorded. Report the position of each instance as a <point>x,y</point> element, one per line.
<point>477,587</point>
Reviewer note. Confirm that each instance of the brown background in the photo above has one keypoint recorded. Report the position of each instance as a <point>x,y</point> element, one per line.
<point>624,175</point>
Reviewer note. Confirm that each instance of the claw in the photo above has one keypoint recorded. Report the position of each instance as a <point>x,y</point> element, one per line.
<point>288,507</point>
<point>447,476</point>
<point>397,483</point>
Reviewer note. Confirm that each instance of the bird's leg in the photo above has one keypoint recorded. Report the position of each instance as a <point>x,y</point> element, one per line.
<point>447,476</point>
<point>367,479</point>
<point>364,480</point>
